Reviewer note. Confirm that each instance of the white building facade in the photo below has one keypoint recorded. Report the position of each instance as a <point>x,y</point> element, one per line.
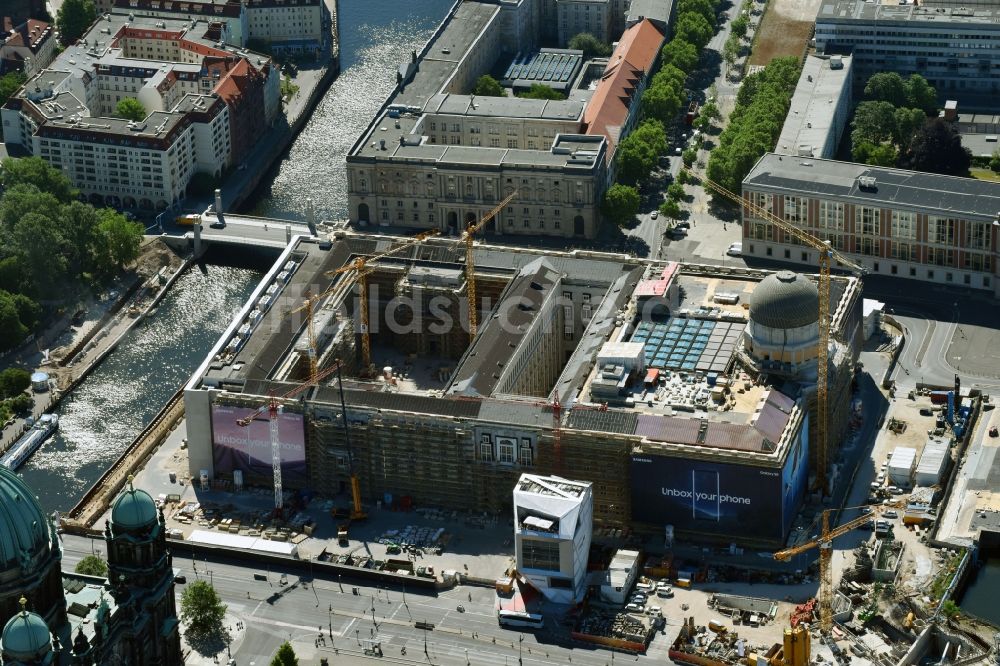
<point>553,528</point>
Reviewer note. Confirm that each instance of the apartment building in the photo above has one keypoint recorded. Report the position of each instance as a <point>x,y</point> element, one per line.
<point>28,47</point>
<point>954,44</point>
<point>909,224</point>
<point>206,106</point>
<point>285,26</point>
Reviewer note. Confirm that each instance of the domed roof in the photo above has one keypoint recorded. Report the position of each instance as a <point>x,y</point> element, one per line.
<point>26,636</point>
<point>24,531</point>
<point>785,300</point>
<point>133,509</point>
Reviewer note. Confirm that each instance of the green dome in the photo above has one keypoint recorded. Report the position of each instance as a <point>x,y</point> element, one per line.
<point>133,509</point>
<point>24,532</point>
<point>26,637</point>
<point>785,300</point>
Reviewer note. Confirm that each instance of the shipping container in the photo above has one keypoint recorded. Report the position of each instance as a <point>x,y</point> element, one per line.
<point>933,462</point>
<point>902,462</point>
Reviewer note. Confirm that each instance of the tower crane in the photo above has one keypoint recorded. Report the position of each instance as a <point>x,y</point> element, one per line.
<point>362,271</point>
<point>470,263</point>
<point>273,407</point>
<point>826,255</point>
<point>825,545</point>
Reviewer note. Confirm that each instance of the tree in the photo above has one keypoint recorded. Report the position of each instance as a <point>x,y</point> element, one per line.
<point>907,122</point>
<point>661,102</point>
<point>591,46</point>
<point>704,8</point>
<point>638,152</point>
<point>487,86</point>
<point>40,246</point>
<point>285,656</point>
<point>541,91</point>
<point>621,203</point>
<point>202,610</point>
<point>730,50</point>
<point>92,565</point>
<point>950,609</point>
<point>681,54</point>
<point>873,122</point>
<point>693,28</point>
<point>921,95</point>
<point>14,381</point>
<point>73,19</point>
<point>9,83</point>
<point>12,331</point>
<point>689,156</point>
<point>120,238</point>
<point>887,87</point>
<point>675,191</point>
<point>740,26</point>
<point>130,108</point>
<point>995,161</point>
<point>711,111</point>
<point>22,403</point>
<point>37,172</point>
<point>670,209</point>
<point>883,154</point>
<point>937,148</point>
<point>683,178</point>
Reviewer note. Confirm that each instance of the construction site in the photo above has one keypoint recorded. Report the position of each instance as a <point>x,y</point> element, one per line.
<point>432,372</point>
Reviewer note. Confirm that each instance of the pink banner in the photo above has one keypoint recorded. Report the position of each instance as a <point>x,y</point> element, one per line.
<point>249,448</point>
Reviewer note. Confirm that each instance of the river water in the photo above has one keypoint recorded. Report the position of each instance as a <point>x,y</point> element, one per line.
<point>980,597</point>
<point>105,413</point>
<point>376,36</point>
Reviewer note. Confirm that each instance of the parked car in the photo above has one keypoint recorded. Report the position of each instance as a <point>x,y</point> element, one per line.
<point>735,250</point>
<point>890,514</point>
<point>635,608</point>
<point>665,591</point>
<point>655,214</point>
<point>654,610</point>
<point>683,224</point>
<point>895,490</point>
<point>875,485</point>
<point>880,478</point>
<point>638,598</point>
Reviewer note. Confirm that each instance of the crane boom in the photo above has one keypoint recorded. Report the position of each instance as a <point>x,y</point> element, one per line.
<point>273,407</point>
<point>826,255</point>
<point>361,269</point>
<point>470,262</point>
<point>825,545</point>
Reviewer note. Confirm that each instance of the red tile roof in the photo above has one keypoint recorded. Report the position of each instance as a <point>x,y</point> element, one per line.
<point>632,60</point>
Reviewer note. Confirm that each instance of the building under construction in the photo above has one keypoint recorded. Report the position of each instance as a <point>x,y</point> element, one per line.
<point>677,390</point>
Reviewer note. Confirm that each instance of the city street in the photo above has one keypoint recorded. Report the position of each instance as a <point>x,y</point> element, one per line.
<point>301,610</point>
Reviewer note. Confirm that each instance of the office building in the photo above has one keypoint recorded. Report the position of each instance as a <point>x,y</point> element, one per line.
<point>820,108</point>
<point>955,45</point>
<point>553,527</point>
<point>909,224</point>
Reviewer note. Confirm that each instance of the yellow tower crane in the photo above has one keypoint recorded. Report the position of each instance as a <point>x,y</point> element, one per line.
<point>826,255</point>
<point>470,263</point>
<point>361,269</point>
<point>825,545</point>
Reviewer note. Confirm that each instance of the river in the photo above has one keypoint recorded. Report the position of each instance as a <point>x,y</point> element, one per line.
<point>980,596</point>
<point>376,36</point>
<point>106,411</point>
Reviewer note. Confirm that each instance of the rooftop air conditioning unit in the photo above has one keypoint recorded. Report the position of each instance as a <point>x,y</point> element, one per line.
<point>866,182</point>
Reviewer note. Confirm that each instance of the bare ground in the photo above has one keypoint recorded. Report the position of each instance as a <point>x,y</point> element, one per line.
<point>784,30</point>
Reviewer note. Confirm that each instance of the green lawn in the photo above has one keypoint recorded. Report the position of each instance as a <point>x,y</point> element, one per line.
<point>986,174</point>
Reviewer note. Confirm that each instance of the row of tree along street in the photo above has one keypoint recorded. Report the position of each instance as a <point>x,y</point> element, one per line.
<point>639,152</point>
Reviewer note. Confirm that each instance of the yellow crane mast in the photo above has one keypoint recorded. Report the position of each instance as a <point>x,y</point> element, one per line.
<point>470,264</point>
<point>825,545</point>
<point>826,256</point>
<point>361,269</point>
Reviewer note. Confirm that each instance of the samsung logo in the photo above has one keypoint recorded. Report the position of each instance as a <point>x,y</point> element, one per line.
<point>644,460</point>
<point>763,473</point>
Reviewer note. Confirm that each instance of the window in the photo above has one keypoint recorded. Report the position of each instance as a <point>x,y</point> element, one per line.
<point>867,220</point>
<point>977,235</point>
<point>486,448</point>
<point>538,554</point>
<point>831,215</point>
<point>760,200</point>
<point>904,225</point>
<point>796,209</point>
<point>525,455</point>
<point>506,450</point>
<point>941,230</point>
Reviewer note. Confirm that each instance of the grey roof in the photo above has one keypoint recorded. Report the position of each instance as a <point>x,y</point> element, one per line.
<point>894,188</point>
<point>654,10</point>
<point>810,120</point>
<point>505,107</point>
<point>785,300</point>
<point>980,16</point>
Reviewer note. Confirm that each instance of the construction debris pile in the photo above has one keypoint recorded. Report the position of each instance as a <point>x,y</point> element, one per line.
<point>617,628</point>
<point>412,536</point>
<point>713,645</point>
<point>227,518</point>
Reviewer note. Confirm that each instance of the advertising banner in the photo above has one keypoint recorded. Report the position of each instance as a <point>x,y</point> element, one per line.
<point>248,449</point>
<point>706,497</point>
